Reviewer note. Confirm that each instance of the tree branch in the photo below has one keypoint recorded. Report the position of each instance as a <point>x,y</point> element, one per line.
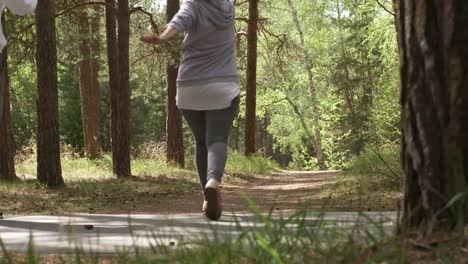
<point>241,3</point>
<point>274,102</point>
<point>280,37</point>
<point>385,8</point>
<point>63,12</point>
<point>246,19</point>
<point>301,118</point>
<point>140,9</point>
<point>393,175</point>
<point>82,5</point>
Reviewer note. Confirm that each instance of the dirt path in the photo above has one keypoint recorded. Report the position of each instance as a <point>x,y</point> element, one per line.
<point>280,191</point>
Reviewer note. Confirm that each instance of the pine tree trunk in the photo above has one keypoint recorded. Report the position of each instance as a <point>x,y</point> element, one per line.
<point>317,142</point>
<point>268,137</point>
<point>7,152</point>
<point>174,135</point>
<point>49,170</point>
<point>123,107</point>
<point>118,59</point>
<point>113,65</point>
<point>251,96</point>
<point>88,27</point>
<point>95,102</point>
<point>434,96</point>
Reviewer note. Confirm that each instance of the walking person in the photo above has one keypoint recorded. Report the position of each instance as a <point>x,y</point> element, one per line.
<point>18,7</point>
<point>207,86</point>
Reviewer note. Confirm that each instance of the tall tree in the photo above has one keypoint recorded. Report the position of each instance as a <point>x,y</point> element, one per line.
<point>123,42</point>
<point>308,66</point>
<point>113,65</point>
<point>7,152</point>
<point>346,82</point>
<point>251,96</point>
<point>118,60</point>
<point>353,69</point>
<point>434,98</point>
<point>174,134</point>
<point>89,29</point>
<point>49,170</point>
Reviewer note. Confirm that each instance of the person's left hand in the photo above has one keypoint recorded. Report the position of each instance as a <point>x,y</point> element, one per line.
<point>151,38</point>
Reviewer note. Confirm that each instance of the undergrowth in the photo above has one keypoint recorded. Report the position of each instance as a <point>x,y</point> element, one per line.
<point>370,181</point>
<point>255,165</point>
<point>91,186</point>
<point>381,166</point>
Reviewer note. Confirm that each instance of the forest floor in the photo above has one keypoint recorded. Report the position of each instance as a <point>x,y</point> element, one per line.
<point>180,193</point>
<point>287,190</point>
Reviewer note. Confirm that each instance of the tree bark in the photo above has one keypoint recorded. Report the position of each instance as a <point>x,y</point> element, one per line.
<point>251,95</point>
<point>433,48</point>
<point>49,170</point>
<point>123,107</point>
<point>88,27</point>
<point>317,142</point>
<point>113,67</point>
<point>269,151</point>
<point>7,152</point>
<point>118,56</point>
<point>174,135</point>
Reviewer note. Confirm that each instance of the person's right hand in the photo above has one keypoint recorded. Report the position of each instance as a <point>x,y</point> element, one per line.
<point>151,38</point>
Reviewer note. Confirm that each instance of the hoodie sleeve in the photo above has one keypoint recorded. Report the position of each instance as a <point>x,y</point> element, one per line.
<point>185,18</point>
<point>21,7</point>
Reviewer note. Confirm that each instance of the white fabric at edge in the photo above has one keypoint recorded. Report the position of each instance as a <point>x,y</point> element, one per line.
<point>211,96</point>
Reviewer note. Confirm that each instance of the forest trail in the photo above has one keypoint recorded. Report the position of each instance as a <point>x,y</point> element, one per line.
<point>286,190</point>
<point>176,219</point>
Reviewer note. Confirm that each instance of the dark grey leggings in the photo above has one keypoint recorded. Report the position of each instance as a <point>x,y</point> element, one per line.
<point>211,130</point>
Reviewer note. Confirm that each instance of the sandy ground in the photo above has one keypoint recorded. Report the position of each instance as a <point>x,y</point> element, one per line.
<point>280,191</point>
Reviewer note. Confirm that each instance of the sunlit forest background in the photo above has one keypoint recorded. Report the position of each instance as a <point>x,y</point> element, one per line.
<point>351,45</point>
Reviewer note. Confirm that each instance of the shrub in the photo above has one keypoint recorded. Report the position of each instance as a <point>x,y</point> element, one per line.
<point>381,165</point>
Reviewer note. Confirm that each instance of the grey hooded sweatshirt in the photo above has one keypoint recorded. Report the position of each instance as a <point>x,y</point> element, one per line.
<point>208,53</point>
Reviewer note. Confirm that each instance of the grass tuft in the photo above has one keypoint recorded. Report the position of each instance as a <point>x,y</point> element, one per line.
<point>378,166</point>
<point>372,181</point>
<point>256,165</point>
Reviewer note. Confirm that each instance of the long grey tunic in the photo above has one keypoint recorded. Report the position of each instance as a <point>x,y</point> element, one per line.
<point>208,55</point>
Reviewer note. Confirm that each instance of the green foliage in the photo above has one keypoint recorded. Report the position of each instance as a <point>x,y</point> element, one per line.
<point>256,165</point>
<point>353,49</point>
<point>371,181</point>
<point>22,73</point>
<point>23,98</point>
<point>381,164</point>
<point>70,107</point>
<point>355,66</point>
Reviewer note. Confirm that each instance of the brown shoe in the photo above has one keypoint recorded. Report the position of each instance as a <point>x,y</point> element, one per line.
<point>213,200</point>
